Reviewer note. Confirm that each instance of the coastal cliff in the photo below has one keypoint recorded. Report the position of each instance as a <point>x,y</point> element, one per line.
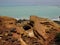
<point>35,31</point>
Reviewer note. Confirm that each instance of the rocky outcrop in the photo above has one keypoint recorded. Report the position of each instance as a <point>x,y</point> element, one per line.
<point>36,31</point>
<point>45,28</point>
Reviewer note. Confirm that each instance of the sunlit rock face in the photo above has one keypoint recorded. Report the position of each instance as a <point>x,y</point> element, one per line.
<point>35,31</point>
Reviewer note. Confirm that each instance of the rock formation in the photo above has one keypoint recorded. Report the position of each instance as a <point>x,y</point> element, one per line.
<point>36,31</point>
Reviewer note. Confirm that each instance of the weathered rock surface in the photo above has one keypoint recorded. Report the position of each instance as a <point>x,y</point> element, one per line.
<point>36,31</point>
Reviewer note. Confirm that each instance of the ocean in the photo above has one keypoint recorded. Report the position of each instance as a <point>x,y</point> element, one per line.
<point>27,11</point>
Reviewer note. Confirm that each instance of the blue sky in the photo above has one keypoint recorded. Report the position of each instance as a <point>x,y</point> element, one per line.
<point>29,2</point>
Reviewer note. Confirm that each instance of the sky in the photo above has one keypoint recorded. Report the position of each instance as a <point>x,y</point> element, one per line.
<point>30,2</point>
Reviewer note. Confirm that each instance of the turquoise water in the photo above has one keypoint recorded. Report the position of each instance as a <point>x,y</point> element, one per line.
<point>26,11</point>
